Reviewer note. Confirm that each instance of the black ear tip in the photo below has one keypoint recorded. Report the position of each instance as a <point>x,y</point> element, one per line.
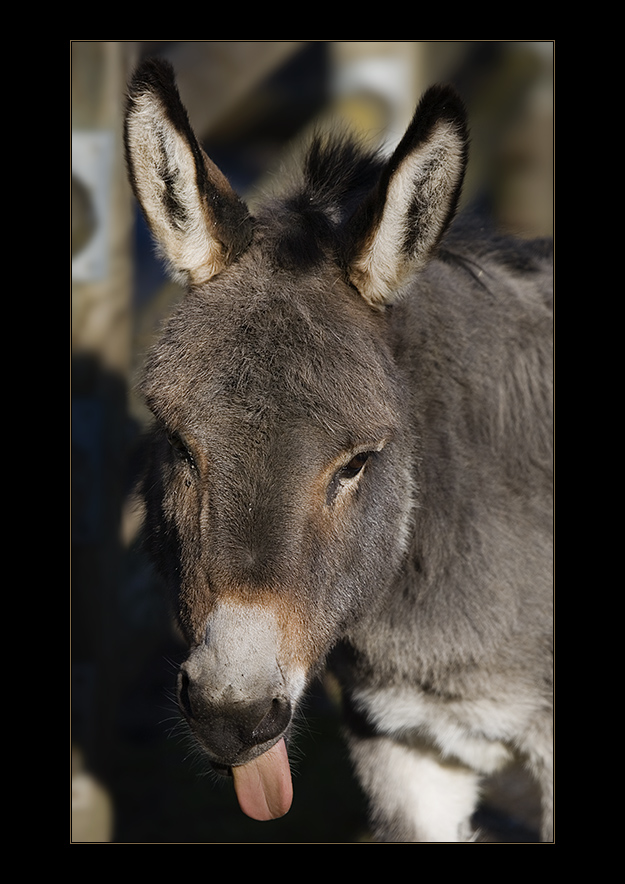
<point>442,102</point>
<point>152,74</point>
<point>156,77</point>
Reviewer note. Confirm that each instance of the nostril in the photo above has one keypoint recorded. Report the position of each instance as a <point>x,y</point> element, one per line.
<point>273,721</point>
<point>183,693</point>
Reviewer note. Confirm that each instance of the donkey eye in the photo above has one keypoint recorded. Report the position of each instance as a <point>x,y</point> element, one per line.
<point>343,477</point>
<point>180,449</point>
<point>356,464</point>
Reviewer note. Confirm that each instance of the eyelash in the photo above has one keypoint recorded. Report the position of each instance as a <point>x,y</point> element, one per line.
<point>345,476</point>
<point>354,467</point>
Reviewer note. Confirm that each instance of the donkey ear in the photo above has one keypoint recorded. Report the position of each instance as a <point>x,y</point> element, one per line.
<point>197,219</point>
<point>399,225</point>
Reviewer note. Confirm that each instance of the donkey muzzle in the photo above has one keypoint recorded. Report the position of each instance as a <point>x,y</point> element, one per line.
<point>235,693</point>
<point>232,688</point>
<point>232,728</point>
<point>245,739</point>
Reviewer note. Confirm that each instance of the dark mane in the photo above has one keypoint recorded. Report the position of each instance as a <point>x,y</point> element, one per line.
<point>306,221</point>
<point>472,238</point>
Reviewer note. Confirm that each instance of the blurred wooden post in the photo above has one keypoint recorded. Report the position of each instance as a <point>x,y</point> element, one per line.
<point>101,345</point>
<point>379,82</point>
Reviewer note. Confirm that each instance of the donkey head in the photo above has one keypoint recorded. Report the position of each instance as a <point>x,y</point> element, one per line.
<point>280,483</point>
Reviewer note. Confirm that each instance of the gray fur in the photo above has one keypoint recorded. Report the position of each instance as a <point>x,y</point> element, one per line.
<point>423,575</point>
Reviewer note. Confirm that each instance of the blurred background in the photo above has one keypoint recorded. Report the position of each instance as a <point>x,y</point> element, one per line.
<point>135,775</point>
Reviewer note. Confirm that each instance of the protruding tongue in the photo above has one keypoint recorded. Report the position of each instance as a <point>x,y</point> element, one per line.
<point>263,786</point>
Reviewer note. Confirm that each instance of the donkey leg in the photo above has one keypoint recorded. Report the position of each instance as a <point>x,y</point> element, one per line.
<point>413,794</point>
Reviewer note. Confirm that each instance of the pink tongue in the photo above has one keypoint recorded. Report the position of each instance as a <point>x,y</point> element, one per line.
<point>263,786</point>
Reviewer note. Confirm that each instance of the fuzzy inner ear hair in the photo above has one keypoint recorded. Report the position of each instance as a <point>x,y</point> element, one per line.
<point>200,224</point>
<point>400,223</point>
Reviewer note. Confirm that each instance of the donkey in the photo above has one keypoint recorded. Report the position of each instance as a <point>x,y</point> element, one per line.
<point>350,464</point>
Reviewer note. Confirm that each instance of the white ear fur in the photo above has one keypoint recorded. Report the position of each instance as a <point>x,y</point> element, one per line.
<point>196,218</point>
<point>414,202</point>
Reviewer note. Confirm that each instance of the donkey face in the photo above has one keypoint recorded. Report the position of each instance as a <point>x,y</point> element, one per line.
<point>279,489</point>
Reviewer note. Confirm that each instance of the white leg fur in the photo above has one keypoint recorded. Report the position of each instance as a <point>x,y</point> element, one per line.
<point>414,795</point>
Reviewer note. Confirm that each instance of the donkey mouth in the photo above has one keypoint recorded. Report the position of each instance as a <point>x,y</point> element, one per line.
<point>224,770</point>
